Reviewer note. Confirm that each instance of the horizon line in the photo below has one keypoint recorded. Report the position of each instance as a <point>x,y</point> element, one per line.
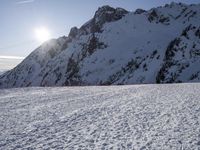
<point>11,57</point>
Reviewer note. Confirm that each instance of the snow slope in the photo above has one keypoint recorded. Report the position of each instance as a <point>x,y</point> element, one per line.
<point>115,117</point>
<point>160,45</point>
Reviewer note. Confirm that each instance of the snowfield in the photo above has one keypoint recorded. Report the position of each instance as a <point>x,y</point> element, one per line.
<point>115,117</point>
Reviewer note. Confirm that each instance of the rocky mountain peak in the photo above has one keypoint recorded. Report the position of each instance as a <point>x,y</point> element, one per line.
<point>108,14</point>
<point>73,32</point>
<point>139,11</point>
<point>103,15</point>
<point>177,4</point>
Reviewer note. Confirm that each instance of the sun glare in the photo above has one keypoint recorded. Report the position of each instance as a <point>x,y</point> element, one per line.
<point>42,34</point>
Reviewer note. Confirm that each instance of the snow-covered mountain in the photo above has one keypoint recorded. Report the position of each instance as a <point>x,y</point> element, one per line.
<point>161,45</point>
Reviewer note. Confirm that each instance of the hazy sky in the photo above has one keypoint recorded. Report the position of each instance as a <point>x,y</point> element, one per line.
<point>19,19</point>
<point>8,63</point>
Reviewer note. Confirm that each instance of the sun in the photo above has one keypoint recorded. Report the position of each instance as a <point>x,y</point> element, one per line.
<point>42,34</point>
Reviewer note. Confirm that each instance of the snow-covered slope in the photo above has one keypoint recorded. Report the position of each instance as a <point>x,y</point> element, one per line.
<point>114,117</point>
<point>118,47</point>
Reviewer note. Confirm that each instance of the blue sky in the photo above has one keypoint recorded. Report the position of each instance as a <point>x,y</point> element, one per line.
<point>19,18</point>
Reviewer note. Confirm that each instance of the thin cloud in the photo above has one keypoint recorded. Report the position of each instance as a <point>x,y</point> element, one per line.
<point>11,57</point>
<point>25,1</point>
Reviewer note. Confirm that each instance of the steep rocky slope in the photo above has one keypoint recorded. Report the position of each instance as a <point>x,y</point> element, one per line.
<point>161,45</point>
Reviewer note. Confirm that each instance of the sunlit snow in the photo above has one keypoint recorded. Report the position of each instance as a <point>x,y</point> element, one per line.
<point>124,117</point>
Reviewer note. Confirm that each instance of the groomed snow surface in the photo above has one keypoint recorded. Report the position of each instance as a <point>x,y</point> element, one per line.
<point>115,117</point>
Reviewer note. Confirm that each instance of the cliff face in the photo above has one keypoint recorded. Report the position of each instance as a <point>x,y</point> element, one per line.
<point>161,45</point>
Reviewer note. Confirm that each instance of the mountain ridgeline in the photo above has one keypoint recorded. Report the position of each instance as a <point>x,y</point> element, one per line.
<point>161,45</point>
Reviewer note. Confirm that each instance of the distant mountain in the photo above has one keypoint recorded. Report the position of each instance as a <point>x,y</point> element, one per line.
<point>161,45</point>
<point>2,72</point>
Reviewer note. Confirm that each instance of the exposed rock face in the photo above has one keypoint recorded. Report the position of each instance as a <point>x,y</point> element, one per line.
<point>182,56</point>
<point>73,32</point>
<point>103,15</point>
<point>139,11</point>
<point>118,47</point>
